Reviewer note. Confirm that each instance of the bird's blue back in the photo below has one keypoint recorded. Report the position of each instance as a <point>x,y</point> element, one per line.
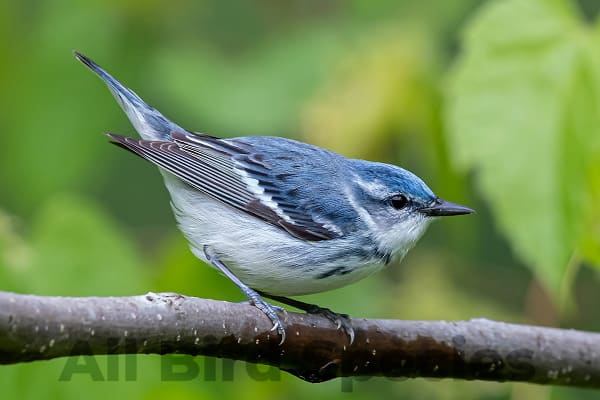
<point>302,170</point>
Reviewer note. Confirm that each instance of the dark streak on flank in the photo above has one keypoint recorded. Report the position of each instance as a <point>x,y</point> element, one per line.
<point>334,271</point>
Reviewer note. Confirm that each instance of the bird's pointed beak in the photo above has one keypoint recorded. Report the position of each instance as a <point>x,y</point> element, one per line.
<point>443,208</point>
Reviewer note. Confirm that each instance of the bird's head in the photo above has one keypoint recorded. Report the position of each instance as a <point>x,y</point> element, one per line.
<point>396,205</point>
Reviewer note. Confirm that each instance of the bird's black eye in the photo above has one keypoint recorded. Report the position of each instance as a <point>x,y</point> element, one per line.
<point>399,201</point>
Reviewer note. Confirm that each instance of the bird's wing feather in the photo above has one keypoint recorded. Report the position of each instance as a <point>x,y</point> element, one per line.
<point>231,173</point>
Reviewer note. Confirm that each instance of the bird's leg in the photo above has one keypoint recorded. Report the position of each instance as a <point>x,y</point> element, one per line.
<point>269,310</point>
<point>342,321</point>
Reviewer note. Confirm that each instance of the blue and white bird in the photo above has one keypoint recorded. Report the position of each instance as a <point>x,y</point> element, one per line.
<point>276,216</point>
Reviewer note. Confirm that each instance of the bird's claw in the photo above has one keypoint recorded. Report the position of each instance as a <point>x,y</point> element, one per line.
<point>341,321</point>
<point>271,312</point>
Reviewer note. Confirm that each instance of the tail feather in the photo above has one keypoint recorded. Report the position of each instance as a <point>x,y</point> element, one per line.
<point>147,121</point>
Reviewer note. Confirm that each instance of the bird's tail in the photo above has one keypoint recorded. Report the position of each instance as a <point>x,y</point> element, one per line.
<point>149,123</point>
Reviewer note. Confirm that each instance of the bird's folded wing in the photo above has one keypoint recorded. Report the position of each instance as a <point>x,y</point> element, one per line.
<point>232,174</point>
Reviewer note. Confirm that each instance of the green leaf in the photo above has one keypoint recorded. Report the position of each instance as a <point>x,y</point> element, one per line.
<point>524,112</point>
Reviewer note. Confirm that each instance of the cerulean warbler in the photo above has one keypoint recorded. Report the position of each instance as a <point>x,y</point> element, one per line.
<point>276,216</point>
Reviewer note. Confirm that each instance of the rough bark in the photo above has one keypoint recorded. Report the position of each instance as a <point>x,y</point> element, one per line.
<point>40,328</point>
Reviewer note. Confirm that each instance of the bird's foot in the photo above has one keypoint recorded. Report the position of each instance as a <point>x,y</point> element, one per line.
<point>342,321</point>
<point>270,311</point>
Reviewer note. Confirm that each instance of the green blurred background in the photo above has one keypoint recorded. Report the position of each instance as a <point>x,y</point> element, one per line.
<point>496,104</point>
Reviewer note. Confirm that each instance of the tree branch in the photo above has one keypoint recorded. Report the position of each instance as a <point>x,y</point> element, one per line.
<point>40,328</point>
